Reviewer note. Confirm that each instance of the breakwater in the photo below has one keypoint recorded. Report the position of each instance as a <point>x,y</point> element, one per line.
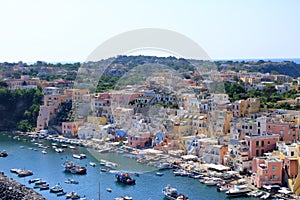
<point>12,190</point>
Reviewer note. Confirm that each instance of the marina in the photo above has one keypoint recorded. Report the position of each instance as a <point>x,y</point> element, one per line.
<point>50,164</point>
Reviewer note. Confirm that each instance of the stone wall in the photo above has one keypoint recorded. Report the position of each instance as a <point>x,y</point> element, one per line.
<point>12,190</point>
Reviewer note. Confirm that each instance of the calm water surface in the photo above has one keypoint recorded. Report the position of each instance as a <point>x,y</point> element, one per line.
<point>49,167</point>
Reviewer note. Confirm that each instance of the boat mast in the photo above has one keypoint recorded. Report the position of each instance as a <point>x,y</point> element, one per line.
<point>99,191</point>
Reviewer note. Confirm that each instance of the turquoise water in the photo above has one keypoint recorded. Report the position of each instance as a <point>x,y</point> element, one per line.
<point>49,167</point>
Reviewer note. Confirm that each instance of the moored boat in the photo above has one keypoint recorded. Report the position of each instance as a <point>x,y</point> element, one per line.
<point>125,178</point>
<point>159,174</point>
<point>92,164</point>
<point>74,169</point>
<point>71,181</point>
<point>72,195</point>
<point>56,188</point>
<point>237,191</point>
<point>172,194</point>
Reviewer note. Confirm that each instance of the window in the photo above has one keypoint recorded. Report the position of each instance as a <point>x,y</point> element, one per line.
<point>268,142</point>
<point>262,143</point>
<point>257,152</point>
<point>257,143</point>
<point>258,124</point>
<point>292,153</point>
<point>273,168</point>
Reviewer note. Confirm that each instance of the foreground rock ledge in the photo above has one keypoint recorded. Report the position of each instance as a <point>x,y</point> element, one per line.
<point>12,190</point>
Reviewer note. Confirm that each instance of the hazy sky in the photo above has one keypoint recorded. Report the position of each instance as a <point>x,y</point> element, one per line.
<point>69,30</point>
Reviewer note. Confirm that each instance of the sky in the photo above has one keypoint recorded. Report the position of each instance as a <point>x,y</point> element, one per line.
<point>69,30</point>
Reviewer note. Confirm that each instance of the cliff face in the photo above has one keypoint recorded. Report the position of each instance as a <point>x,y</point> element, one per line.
<point>11,189</point>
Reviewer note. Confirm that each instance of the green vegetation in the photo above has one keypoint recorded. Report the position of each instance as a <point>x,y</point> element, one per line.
<point>268,96</point>
<point>19,108</point>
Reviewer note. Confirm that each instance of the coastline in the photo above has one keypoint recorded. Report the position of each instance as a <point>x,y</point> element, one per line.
<point>11,189</point>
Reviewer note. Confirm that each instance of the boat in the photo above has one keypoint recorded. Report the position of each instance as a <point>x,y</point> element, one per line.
<point>237,191</point>
<point>266,195</point>
<point>34,180</point>
<point>39,183</point>
<point>72,195</point>
<point>108,189</point>
<point>59,150</point>
<point>24,173</point>
<point>127,198</point>
<point>44,152</point>
<point>223,188</point>
<point>72,147</point>
<point>159,174</point>
<point>104,170</point>
<point>125,178</point>
<point>92,164</point>
<point>74,169</point>
<point>172,194</point>
<point>56,188</point>
<point>61,193</point>
<point>3,154</point>
<point>71,181</point>
<point>210,183</point>
<point>44,186</point>
<point>79,156</point>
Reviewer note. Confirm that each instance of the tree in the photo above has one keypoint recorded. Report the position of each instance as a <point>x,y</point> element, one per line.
<point>269,90</point>
<point>24,126</point>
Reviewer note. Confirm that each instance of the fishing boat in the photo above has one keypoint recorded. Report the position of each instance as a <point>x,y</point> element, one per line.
<point>71,181</point>
<point>44,186</point>
<point>61,193</point>
<point>56,188</point>
<point>125,178</point>
<point>34,180</point>
<point>74,169</point>
<point>172,194</point>
<point>72,195</point>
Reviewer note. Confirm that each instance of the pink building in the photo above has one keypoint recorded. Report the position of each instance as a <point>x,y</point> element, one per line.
<point>48,110</point>
<point>260,144</point>
<point>70,129</point>
<point>286,130</point>
<point>139,140</point>
<point>266,171</point>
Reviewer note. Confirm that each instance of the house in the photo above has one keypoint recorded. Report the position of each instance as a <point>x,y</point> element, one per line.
<point>286,130</point>
<point>266,171</point>
<point>214,153</point>
<point>70,129</point>
<point>261,143</point>
<point>139,139</point>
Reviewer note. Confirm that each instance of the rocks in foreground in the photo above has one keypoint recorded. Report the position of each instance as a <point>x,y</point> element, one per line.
<point>12,190</point>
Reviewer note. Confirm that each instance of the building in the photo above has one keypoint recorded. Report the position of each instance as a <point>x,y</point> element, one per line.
<point>139,140</point>
<point>260,144</point>
<point>70,129</point>
<point>267,171</point>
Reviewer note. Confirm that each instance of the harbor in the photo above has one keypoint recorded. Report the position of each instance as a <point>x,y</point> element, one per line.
<point>149,178</point>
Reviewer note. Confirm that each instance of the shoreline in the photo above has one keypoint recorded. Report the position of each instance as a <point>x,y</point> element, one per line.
<point>14,190</point>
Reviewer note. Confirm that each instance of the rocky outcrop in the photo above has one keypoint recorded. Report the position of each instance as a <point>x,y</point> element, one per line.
<point>12,190</point>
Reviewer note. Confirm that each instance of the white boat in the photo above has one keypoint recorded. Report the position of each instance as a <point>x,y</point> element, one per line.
<point>72,147</point>
<point>92,164</point>
<point>237,191</point>
<point>59,150</point>
<point>265,196</point>
<point>210,183</point>
<point>79,156</point>
<point>44,152</point>
<point>127,198</point>
<point>108,189</point>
